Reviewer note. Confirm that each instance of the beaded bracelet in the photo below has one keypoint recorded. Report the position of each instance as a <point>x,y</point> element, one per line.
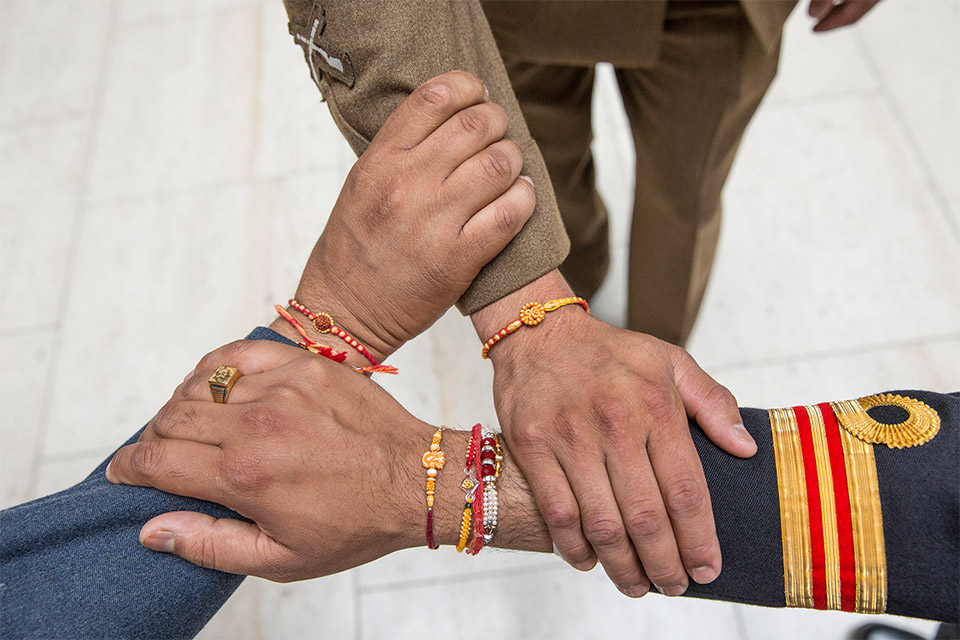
<point>470,487</point>
<point>432,461</point>
<point>323,323</point>
<point>491,461</point>
<point>327,352</point>
<point>531,314</point>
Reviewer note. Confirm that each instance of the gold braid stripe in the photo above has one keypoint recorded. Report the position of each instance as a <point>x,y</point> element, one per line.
<point>828,507</point>
<point>794,516</point>
<point>866,517</point>
<point>921,425</point>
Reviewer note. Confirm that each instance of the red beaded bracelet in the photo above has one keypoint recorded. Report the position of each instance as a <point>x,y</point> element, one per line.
<point>531,314</point>
<point>327,352</point>
<point>323,323</point>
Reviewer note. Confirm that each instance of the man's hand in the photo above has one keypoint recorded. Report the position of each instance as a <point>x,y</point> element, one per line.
<point>434,198</point>
<point>329,477</point>
<point>596,418</point>
<point>324,461</point>
<point>832,14</point>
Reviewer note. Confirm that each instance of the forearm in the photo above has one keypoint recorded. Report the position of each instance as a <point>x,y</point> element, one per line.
<point>428,38</point>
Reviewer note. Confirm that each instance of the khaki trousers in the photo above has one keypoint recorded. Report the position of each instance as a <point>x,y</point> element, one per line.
<point>688,109</point>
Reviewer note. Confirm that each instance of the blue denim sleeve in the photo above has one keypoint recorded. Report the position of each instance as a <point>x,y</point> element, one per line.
<point>71,564</point>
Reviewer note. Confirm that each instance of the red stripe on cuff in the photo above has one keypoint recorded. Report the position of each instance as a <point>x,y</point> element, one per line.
<point>817,550</point>
<point>848,570</point>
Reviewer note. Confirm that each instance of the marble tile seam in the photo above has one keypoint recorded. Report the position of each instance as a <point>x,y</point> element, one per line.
<point>777,104</point>
<point>457,578</point>
<point>334,167</point>
<point>73,248</point>
<point>13,126</point>
<point>829,354</point>
<point>28,331</point>
<point>913,144</point>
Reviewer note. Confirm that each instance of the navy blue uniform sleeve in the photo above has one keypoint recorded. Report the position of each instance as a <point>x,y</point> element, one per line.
<point>71,564</point>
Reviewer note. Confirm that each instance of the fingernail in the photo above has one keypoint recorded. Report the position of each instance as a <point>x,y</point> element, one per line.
<point>743,434</point>
<point>528,179</point>
<point>486,91</point>
<point>637,591</point>
<point>159,541</point>
<point>586,565</point>
<point>188,376</point>
<point>703,575</point>
<point>673,590</point>
<point>556,551</point>
<point>107,472</point>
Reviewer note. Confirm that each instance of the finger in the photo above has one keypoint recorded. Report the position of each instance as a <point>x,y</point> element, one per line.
<point>844,14</point>
<point>819,8</point>
<point>429,106</point>
<point>217,543</point>
<point>176,466</point>
<point>712,406</point>
<point>481,179</point>
<point>603,526</point>
<point>559,509</point>
<point>493,227</point>
<point>464,135</point>
<point>197,388</point>
<point>249,356</point>
<point>197,421</point>
<point>693,532</point>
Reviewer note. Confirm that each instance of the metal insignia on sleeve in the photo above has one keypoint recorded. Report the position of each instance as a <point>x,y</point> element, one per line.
<point>921,424</point>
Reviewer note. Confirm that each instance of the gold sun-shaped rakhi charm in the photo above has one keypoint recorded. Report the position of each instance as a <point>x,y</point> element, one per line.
<point>532,313</point>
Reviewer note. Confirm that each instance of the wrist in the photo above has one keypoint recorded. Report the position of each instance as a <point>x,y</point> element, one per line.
<point>494,317</point>
<point>411,522</point>
<point>341,310</point>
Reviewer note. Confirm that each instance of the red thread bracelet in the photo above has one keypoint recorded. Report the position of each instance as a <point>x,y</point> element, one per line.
<point>327,352</point>
<point>323,323</point>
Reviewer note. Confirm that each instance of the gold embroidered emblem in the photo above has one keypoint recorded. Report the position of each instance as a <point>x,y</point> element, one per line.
<point>921,424</point>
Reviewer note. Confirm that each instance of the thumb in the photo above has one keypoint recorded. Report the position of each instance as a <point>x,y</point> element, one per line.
<point>712,405</point>
<point>223,544</point>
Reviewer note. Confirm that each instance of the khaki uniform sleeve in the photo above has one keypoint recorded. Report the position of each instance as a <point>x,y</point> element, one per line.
<point>367,56</point>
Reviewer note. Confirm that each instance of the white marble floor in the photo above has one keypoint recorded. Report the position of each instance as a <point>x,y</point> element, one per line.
<point>143,142</point>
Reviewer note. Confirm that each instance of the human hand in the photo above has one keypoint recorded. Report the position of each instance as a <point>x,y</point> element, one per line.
<point>595,418</point>
<point>434,198</point>
<point>833,14</point>
<point>329,477</point>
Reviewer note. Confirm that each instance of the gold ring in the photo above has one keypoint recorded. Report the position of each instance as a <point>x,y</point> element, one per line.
<point>222,381</point>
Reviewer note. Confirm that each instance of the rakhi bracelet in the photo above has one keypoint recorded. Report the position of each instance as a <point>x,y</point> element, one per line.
<point>470,487</point>
<point>491,461</point>
<point>323,323</point>
<point>325,351</point>
<point>531,314</point>
<point>432,461</point>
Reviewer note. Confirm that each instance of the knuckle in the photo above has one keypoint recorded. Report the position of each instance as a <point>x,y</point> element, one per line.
<point>645,521</point>
<point>561,514</point>
<point>261,422</point>
<point>719,395</point>
<point>604,531</point>
<point>505,217</point>
<point>686,497</point>
<point>203,552</point>
<point>233,354</point>
<point>242,473</point>
<point>497,166</point>
<point>527,437</point>
<point>612,414</point>
<point>659,402</point>
<point>473,122</point>
<point>147,458</point>
<point>438,93</point>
